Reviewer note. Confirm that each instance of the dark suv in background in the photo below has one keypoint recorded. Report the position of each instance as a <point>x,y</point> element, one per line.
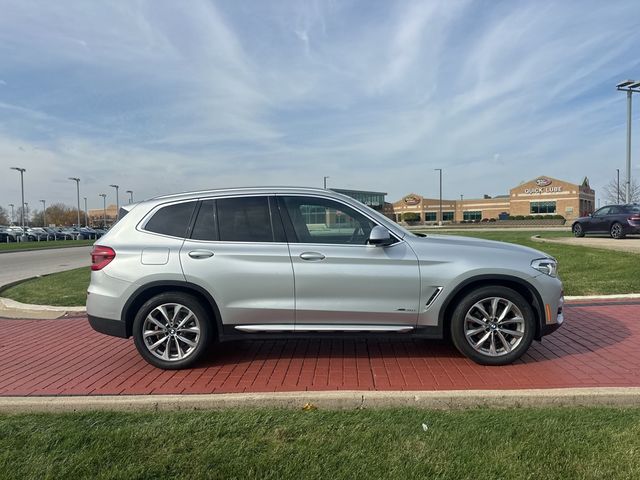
<point>616,220</point>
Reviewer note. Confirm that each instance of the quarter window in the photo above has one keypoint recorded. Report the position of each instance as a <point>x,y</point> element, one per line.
<point>244,219</point>
<point>171,220</point>
<point>319,220</point>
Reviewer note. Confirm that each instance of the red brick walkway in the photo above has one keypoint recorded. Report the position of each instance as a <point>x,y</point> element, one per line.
<point>598,346</point>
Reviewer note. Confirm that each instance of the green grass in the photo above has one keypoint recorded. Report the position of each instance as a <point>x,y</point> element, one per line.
<point>17,246</point>
<point>584,270</point>
<point>66,289</point>
<point>571,443</point>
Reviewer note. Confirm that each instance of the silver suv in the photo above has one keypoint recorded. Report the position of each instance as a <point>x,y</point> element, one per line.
<point>180,271</point>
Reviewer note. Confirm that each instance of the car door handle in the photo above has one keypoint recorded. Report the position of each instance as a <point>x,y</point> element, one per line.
<point>201,254</point>
<point>312,256</point>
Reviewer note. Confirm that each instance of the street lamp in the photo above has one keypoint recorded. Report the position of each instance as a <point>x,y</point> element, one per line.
<point>104,210</point>
<point>77,180</point>
<point>21,170</point>
<point>629,86</point>
<point>26,205</point>
<point>325,181</point>
<point>440,219</point>
<point>12,217</point>
<point>44,213</point>
<point>117,201</point>
<point>86,214</point>
<point>618,187</point>
<point>130,192</point>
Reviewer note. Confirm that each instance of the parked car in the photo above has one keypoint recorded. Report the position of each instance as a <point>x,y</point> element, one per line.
<point>179,271</point>
<point>616,220</point>
<point>38,233</point>
<point>6,235</point>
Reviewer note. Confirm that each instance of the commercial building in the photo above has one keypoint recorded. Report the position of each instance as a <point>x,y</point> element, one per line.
<point>544,196</point>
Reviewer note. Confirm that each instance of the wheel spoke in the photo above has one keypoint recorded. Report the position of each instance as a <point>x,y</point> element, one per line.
<point>189,330</point>
<point>507,345</point>
<point>494,307</point>
<point>506,310</point>
<point>471,318</point>
<point>480,307</point>
<point>176,310</point>
<point>184,320</point>
<point>151,333</point>
<point>163,310</point>
<point>512,320</point>
<point>165,355</point>
<point>471,333</point>
<point>513,333</point>
<point>492,347</point>
<point>482,340</point>
<point>156,322</point>
<point>155,345</point>
<point>180,354</point>
<point>185,340</point>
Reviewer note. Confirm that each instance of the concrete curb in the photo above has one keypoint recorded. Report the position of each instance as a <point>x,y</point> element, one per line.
<point>43,248</point>
<point>339,400</point>
<point>9,303</point>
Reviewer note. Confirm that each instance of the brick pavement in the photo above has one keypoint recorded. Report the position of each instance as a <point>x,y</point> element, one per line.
<point>599,346</point>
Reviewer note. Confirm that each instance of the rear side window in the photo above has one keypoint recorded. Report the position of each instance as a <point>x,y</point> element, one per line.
<point>205,226</point>
<point>171,220</point>
<point>244,219</point>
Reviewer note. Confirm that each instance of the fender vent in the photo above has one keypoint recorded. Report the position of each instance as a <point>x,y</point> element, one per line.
<point>433,297</point>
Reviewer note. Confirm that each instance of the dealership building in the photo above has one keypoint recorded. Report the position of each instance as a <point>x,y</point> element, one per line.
<point>541,196</point>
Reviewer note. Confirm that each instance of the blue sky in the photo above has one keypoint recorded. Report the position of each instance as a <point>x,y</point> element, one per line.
<point>163,96</point>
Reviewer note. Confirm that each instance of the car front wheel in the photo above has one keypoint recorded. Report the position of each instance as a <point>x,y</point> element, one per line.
<point>493,325</point>
<point>172,330</point>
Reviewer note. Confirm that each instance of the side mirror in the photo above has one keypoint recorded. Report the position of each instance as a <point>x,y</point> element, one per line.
<point>380,237</point>
<point>591,214</point>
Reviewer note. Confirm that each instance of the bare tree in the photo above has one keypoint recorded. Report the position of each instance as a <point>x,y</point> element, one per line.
<point>610,192</point>
<point>4,216</point>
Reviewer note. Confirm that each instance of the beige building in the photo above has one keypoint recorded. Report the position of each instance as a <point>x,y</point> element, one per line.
<point>97,216</point>
<point>544,196</point>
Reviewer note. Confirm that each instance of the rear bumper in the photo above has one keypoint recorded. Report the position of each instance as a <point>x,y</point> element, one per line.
<point>115,328</point>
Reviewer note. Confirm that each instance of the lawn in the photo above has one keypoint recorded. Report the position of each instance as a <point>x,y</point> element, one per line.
<point>572,443</point>
<point>50,244</point>
<point>584,271</point>
<point>66,289</point>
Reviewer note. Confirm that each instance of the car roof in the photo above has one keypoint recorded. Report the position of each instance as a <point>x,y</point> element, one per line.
<point>245,191</point>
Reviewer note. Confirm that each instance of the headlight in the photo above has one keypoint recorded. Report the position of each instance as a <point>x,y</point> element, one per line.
<point>548,266</point>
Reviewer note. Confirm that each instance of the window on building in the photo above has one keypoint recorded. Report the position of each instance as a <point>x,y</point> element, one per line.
<point>447,216</point>
<point>543,207</point>
<point>472,215</point>
<point>430,216</point>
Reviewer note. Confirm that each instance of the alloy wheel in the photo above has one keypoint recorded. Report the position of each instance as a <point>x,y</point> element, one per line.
<point>577,230</point>
<point>494,326</point>
<point>616,230</point>
<point>171,332</point>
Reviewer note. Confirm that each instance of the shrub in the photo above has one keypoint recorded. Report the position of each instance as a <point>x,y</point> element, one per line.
<point>519,217</point>
<point>492,219</point>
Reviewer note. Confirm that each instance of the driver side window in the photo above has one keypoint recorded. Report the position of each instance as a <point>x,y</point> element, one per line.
<point>603,211</point>
<point>319,220</point>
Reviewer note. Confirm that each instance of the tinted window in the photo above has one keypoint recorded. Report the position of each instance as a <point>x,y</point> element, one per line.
<point>244,219</point>
<point>319,220</point>
<point>601,212</point>
<point>171,220</point>
<point>615,210</point>
<point>205,226</point>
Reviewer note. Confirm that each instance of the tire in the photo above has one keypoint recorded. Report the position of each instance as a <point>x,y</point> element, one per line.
<point>185,346</point>
<point>577,230</point>
<point>489,348</point>
<point>617,231</point>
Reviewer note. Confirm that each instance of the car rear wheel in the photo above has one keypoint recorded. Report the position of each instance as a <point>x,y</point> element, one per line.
<point>493,325</point>
<point>172,330</point>
<point>617,231</point>
<point>577,229</point>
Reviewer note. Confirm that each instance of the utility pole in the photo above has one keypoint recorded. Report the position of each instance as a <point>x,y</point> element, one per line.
<point>21,170</point>
<point>440,218</point>
<point>631,87</point>
<point>77,180</point>
<point>12,217</point>
<point>130,192</point>
<point>618,187</point>
<point>86,213</point>
<point>117,201</point>
<point>44,213</point>
<point>104,210</point>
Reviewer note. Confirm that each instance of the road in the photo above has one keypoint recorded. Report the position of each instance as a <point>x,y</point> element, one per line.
<point>16,266</point>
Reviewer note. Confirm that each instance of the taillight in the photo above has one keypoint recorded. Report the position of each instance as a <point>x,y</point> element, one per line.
<point>101,257</point>
<point>634,218</point>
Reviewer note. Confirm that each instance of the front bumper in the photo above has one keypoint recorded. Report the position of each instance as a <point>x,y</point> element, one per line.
<point>552,309</point>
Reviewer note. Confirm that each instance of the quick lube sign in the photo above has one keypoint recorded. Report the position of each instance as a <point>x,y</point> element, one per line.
<point>543,186</point>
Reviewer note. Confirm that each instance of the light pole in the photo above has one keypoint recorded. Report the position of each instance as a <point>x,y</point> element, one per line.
<point>21,170</point>
<point>104,210</point>
<point>440,218</point>
<point>130,192</point>
<point>629,86</point>
<point>86,213</point>
<point>77,180</point>
<point>26,205</point>
<point>44,213</point>
<point>618,187</point>
<point>12,217</point>
<point>325,181</point>
<point>117,201</point>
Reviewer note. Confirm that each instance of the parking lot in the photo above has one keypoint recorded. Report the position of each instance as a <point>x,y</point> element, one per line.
<point>598,347</point>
